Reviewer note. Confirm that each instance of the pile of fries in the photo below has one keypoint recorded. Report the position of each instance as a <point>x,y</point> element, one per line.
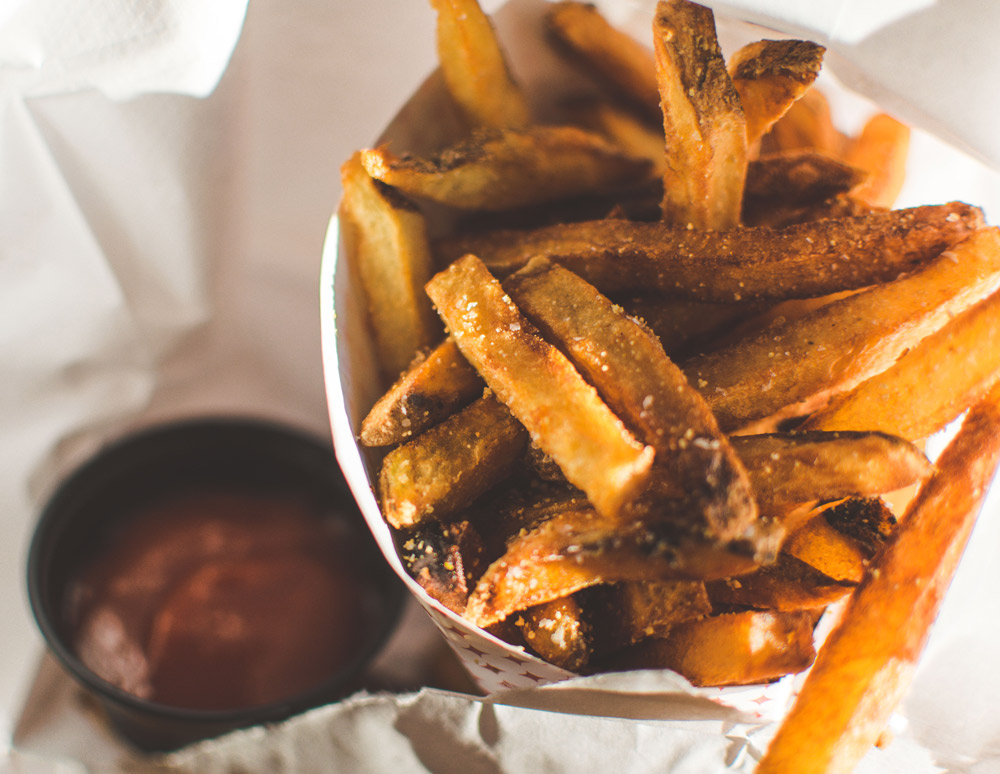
<point>688,355</point>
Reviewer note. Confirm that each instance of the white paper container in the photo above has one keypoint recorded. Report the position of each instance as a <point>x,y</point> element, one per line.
<point>350,369</point>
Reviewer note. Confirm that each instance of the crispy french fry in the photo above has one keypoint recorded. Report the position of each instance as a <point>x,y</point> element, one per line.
<point>386,240</point>
<point>451,464</point>
<point>801,176</point>
<point>703,122</point>
<point>653,608</point>
<point>428,392</point>
<point>785,214</point>
<point>621,127</point>
<point>787,585</point>
<point>806,124</point>
<point>881,150</point>
<point>938,379</point>
<point>682,325</point>
<point>563,413</point>
<point>810,259</point>
<point>754,646</point>
<point>626,363</point>
<point>865,665</point>
<point>474,67</point>
<point>502,170</point>
<point>769,76</point>
<point>445,559</point>
<point>581,548</point>
<point>796,367</point>
<point>793,468</point>
<point>558,632</point>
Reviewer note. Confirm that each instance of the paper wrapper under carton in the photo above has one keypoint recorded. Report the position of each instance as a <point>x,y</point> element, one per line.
<point>424,124</point>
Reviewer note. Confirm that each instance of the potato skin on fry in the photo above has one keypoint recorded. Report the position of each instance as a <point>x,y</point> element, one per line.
<point>809,259</point>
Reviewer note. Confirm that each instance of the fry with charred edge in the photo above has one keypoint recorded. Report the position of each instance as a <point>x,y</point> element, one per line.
<point>626,363</point>
<point>563,413</point>
<point>788,584</point>
<point>610,54</point>
<point>938,379</point>
<point>428,392</point>
<point>558,632</point>
<point>796,467</point>
<point>866,663</point>
<point>769,76</point>
<point>809,259</point>
<point>474,68</point>
<point>502,170</point>
<point>881,150</point>
<point>801,176</point>
<point>796,367</point>
<point>754,646</point>
<point>703,122</point>
<point>577,549</point>
<point>806,124</point>
<point>445,560</point>
<point>386,240</point>
<point>450,465</point>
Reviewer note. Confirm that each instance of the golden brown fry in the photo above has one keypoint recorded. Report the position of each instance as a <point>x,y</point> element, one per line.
<point>800,176</point>
<point>445,559</point>
<point>558,632</point>
<point>769,76</point>
<point>502,170</point>
<point>451,464</point>
<point>795,467</point>
<point>626,363</point>
<point>809,259</point>
<point>703,122</point>
<point>429,391</point>
<point>613,56</point>
<point>881,150</point>
<point>474,67</point>
<point>577,549</point>
<point>936,380</point>
<point>797,366</point>
<point>653,608</point>
<point>682,325</point>
<point>732,649</point>
<point>386,240</point>
<point>787,585</point>
<point>563,413</point>
<point>634,136</point>
<point>865,665</point>
<point>785,214</point>
<point>806,124</point>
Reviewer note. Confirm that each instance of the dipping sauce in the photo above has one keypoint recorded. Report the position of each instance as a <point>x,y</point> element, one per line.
<point>221,599</point>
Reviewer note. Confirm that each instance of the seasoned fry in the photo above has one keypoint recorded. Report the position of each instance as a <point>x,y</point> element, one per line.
<point>865,665</point>
<point>787,585</point>
<point>652,609</point>
<point>627,365</point>
<point>577,549</point>
<point>793,468</point>
<point>731,649</point>
<point>801,177</point>
<point>445,559</point>
<point>563,413</point>
<point>450,465</point>
<point>613,56</point>
<point>474,67</point>
<point>781,215</point>
<point>428,392</point>
<point>558,632</point>
<point>938,379</point>
<point>806,124</point>
<point>881,150</point>
<point>797,366</point>
<point>386,240</point>
<point>703,122</point>
<point>769,76</point>
<point>682,325</point>
<point>810,259</point>
<point>502,170</point>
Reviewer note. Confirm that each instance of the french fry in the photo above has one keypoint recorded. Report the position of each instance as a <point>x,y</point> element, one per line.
<point>796,367</point>
<point>769,76</point>
<point>810,259</point>
<point>558,632</point>
<point>865,665</point>
<point>577,549</point>
<point>703,122</point>
<point>386,240</point>
<point>652,609</point>
<point>754,646</point>
<point>881,150</point>
<point>627,365</point>
<point>807,124</point>
<point>802,177</point>
<point>682,325</point>
<point>621,127</point>
<point>781,215</point>
<point>613,56</point>
<point>451,464</point>
<point>428,392</point>
<point>938,379</point>
<point>445,559</point>
<point>786,585</point>
<point>563,413</point>
<point>506,169</point>
<point>474,67</point>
